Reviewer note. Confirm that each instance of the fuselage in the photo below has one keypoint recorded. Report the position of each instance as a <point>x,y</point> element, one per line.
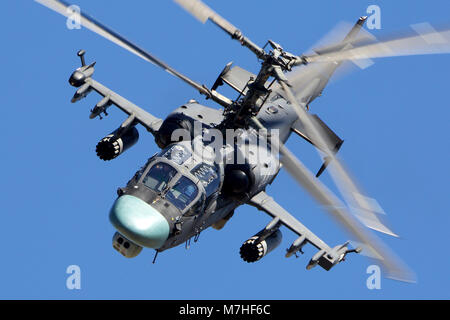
<point>197,181</point>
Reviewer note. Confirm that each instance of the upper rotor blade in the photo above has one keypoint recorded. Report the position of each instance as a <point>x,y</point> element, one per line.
<point>300,77</point>
<point>202,12</point>
<point>426,41</point>
<point>95,26</point>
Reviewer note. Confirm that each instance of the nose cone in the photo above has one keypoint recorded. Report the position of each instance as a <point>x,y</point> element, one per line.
<point>139,222</point>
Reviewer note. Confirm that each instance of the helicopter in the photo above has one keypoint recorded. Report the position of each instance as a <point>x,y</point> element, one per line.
<point>214,160</point>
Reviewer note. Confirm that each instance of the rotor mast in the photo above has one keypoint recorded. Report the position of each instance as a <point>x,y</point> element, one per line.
<point>274,64</point>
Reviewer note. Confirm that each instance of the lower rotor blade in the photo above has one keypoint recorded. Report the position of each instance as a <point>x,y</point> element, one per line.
<point>90,23</point>
<point>393,266</point>
<point>426,41</point>
<point>360,205</point>
<point>348,188</point>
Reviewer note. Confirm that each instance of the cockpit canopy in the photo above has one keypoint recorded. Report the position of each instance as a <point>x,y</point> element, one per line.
<point>180,192</point>
<point>178,153</point>
<point>175,176</point>
<point>208,174</point>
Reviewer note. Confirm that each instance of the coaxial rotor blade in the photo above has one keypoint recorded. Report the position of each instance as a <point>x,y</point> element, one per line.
<point>360,204</point>
<point>394,267</point>
<point>426,40</point>
<point>88,22</point>
<point>300,77</point>
<point>203,13</point>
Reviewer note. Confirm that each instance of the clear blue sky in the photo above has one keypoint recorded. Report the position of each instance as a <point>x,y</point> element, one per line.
<point>56,193</point>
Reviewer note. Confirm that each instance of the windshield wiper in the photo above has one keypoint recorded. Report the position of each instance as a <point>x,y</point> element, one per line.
<point>163,192</point>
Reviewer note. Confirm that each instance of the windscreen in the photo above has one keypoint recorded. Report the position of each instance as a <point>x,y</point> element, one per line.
<point>182,193</point>
<point>159,176</point>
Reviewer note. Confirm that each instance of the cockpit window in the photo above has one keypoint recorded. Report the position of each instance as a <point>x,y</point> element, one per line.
<point>159,176</point>
<point>177,153</point>
<point>182,193</point>
<point>141,170</point>
<point>208,176</point>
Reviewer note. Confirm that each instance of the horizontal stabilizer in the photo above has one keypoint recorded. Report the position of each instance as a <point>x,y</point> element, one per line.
<point>331,138</point>
<point>236,77</point>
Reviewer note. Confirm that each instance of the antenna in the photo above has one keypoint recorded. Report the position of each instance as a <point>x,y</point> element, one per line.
<point>81,55</point>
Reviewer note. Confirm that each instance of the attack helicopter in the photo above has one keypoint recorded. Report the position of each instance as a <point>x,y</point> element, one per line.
<point>214,160</point>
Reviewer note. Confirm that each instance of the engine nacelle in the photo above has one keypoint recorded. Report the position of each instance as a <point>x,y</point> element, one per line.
<point>176,121</point>
<point>113,145</point>
<point>253,249</point>
<point>237,181</point>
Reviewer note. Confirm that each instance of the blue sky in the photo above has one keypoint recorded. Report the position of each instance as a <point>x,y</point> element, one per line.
<point>56,193</point>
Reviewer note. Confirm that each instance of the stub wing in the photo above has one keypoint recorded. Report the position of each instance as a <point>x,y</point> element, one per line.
<point>82,79</point>
<point>147,120</point>
<point>326,257</point>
